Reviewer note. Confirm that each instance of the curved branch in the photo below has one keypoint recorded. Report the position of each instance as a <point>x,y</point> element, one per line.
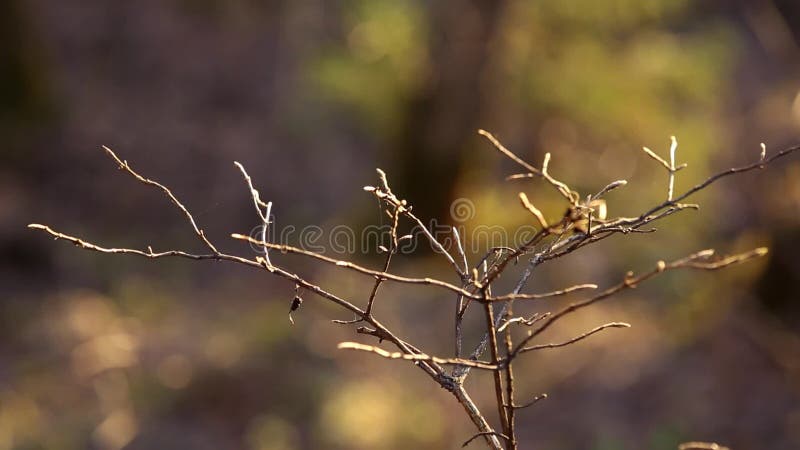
<point>417,357</point>
<point>123,165</point>
<point>576,338</point>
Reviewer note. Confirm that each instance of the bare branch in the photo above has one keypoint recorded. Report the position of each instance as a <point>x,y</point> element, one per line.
<point>385,193</point>
<point>462,372</point>
<point>509,153</point>
<point>126,167</point>
<point>484,434</point>
<point>578,287</point>
<point>565,190</point>
<point>259,263</point>
<point>670,166</point>
<point>724,262</point>
<point>520,176</point>
<point>757,165</point>
<point>147,254</point>
<point>409,280</point>
<point>633,224</point>
<point>509,378</point>
<point>357,268</point>
<point>460,249</point>
<point>672,148</point>
<point>700,260</point>
<point>377,333</point>
<point>658,159</point>
<point>477,418</point>
<point>389,254</point>
<point>528,322</point>
<point>258,204</point>
<point>576,338</point>
<point>495,354</point>
<point>562,188</point>
<point>533,210</point>
<point>610,187</point>
<point>417,356</point>
<point>535,400</point>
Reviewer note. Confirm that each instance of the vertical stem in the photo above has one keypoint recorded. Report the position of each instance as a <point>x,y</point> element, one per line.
<point>458,321</point>
<point>392,250</point>
<point>460,301</point>
<point>378,281</point>
<point>672,168</point>
<point>476,417</point>
<point>498,379</point>
<point>509,372</point>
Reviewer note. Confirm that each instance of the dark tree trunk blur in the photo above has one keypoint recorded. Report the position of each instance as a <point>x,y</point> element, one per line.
<point>442,118</point>
<point>23,94</point>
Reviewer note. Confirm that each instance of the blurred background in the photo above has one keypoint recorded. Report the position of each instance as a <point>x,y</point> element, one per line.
<point>111,352</point>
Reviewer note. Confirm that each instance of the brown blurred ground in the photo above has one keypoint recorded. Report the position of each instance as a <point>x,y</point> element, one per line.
<point>110,352</point>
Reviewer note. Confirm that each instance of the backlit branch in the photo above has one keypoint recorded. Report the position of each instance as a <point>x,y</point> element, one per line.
<point>576,338</point>
<point>259,204</point>
<point>563,189</point>
<point>416,357</point>
<point>700,260</point>
<point>123,165</point>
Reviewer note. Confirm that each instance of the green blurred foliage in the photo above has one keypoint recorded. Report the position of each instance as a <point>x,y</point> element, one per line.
<point>383,57</point>
<point>618,69</point>
<point>25,101</point>
<point>601,79</point>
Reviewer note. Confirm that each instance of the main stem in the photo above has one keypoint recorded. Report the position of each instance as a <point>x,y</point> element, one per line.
<point>509,406</point>
<point>477,418</point>
<point>498,376</point>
